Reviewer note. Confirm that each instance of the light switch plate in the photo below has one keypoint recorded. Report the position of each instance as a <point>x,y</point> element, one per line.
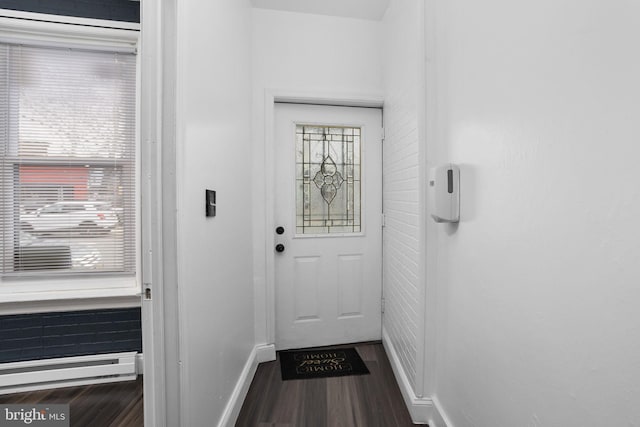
<point>210,199</point>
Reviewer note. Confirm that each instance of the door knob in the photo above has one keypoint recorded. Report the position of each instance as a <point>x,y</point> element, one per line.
<point>279,247</point>
<point>280,230</point>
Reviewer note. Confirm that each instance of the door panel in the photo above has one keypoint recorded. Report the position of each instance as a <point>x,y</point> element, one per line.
<point>305,283</point>
<point>350,285</point>
<point>328,175</point>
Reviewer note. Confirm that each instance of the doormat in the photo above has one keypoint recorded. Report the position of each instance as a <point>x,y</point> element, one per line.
<point>320,363</point>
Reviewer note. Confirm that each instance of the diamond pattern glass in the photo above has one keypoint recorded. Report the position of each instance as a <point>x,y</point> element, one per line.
<point>328,181</point>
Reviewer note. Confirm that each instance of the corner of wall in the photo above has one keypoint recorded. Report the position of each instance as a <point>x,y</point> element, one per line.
<point>439,417</point>
<point>265,353</point>
<point>420,408</point>
<point>232,409</point>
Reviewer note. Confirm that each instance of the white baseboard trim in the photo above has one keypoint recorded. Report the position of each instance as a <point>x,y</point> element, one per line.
<point>423,410</point>
<point>232,410</point>
<point>439,417</point>
<point>43,374</point>
<point>265,352</point>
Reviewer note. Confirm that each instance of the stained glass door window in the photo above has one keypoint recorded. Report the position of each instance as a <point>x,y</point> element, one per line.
<point>328,179</point>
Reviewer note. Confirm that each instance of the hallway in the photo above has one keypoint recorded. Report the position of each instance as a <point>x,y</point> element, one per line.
<point>361,400</point>
<point>524,312</point>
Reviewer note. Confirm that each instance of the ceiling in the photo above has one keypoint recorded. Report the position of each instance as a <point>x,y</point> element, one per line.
<point>361,9</point>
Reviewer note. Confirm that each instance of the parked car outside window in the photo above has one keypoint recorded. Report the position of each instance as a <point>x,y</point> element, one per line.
<point>87,217</point>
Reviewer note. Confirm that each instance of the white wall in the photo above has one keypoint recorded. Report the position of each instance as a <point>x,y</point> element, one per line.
<point>539,284</point>
<point>214,254</point>
<point>403,156</point>
<point>310,54</point>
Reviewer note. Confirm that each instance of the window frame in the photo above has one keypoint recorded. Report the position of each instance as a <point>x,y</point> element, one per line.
<point>56,31</point>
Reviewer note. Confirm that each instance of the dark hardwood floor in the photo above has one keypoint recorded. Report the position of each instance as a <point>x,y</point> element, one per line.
<point>353,401</point>
<point>372,400</point>
<point>102,405</point>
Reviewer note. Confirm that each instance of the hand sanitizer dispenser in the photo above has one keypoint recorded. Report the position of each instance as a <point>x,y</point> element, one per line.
<point>444,186</point>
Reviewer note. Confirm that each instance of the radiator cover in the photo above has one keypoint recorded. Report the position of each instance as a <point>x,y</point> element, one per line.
<point>16,377</point>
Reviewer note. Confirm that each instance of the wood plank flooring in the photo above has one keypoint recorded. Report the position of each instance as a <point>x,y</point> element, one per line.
<point>355,401</point>
<point>372,400</point>
<point>103,405</point>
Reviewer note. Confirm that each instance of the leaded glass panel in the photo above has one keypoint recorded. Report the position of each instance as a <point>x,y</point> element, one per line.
<point>328,179</point>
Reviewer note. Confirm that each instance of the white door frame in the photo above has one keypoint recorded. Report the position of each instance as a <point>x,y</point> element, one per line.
<point>160,338</point>
<point>271,97</point>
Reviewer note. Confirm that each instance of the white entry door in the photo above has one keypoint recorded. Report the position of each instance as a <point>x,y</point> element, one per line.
<point>328,230</point>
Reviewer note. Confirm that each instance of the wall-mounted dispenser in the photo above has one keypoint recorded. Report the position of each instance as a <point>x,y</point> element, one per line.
<point>444,188</point>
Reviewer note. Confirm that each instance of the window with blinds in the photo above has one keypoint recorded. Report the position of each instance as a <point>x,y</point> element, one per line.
<point>67,166</point>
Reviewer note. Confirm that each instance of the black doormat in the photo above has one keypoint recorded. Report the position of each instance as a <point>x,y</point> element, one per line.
<point>320,363</point>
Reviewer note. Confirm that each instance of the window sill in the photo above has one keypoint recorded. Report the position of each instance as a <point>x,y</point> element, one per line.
<point>38,301</point>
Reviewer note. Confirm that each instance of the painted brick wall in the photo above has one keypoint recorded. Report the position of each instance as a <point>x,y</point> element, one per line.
<point>73,333</point>
<point>112,10</point>
<point>401,198</point>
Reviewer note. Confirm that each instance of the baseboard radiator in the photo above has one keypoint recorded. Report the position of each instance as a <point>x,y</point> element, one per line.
<point>16,377</point>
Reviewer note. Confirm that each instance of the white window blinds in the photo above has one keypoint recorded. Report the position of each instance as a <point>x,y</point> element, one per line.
<point>67,167</point>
